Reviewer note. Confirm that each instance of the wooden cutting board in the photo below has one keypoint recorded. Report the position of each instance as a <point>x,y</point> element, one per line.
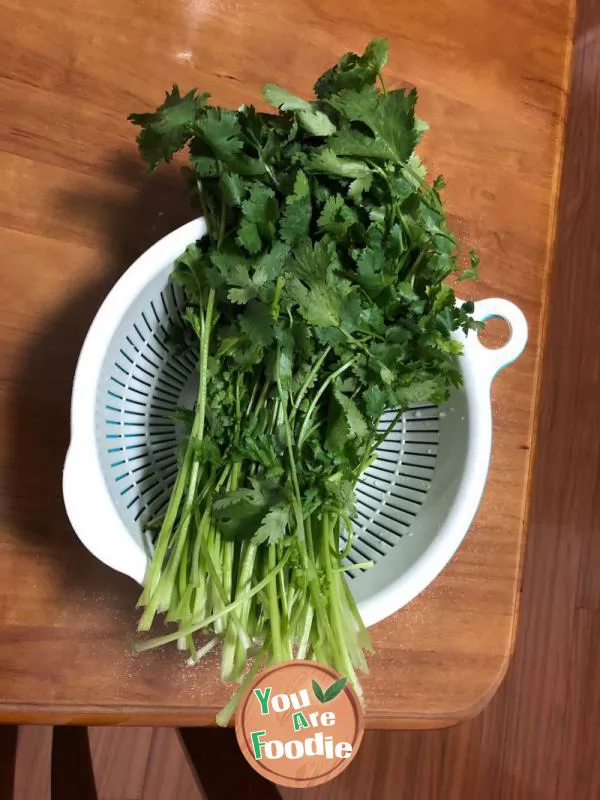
<point>76,209</point>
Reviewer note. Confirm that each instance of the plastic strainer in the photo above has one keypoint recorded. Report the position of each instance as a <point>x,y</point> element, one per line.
<point>414,503</point>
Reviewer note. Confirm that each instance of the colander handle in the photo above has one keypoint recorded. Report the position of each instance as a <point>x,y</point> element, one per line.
<point>494,360</point>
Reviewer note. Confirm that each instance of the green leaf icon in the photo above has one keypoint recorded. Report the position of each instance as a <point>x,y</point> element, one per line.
<point>334,689</point>
<point>332,692</point>
<point>318,692</point>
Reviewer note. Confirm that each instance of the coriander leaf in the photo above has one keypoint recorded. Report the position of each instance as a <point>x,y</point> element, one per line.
<point>242,295</point>
<point>204,166</point>
<point>296,217</point>
<point>206,451</point>
<point>351,142</point>
<point>232,187</point>
<point>360,185</point>
<point>301,186</point>
<point>315,262</point>
<point>318,305</point>
<point>357,425</point>
<point>270,264</point>
<point>273,525</point>
<point>281,98</point>
<point>376,53</point>
<point>284,362</point>
<point>333,204</point>
<point>261,206</point>
<point>239,497</point>
<point>261,448</point>
<point>256,322</point>
<point>389,116</point>
<point>259,213</point>
<point>188,270</point>
<point>221,131</point>
<point>371,274</point>
<point>470,273</point>
<point>325,160</point>
<point>336,217</point>
<point>421,127</point>
<point>166,130</point>
<point>239,513</point>
<point>294,224</point>
<point>375,402</point>
<point>193,319</point>
<point>314,121</point>
<point>353,71</point>
<point>248,237</point>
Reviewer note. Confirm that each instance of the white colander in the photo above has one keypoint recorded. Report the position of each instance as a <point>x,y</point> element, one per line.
<point>414,503</point>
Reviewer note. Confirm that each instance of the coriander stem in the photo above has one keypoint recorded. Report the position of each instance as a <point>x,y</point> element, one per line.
<point>333,579</point>
<point>317,396</point>
<point>203,651</point>
<point>274,616</point>
<point>309,379</point>
<point>224,715</point>
<point>140,647</point>
<point>360,565</point>
<point>304,636</point>
<point>383,436</point>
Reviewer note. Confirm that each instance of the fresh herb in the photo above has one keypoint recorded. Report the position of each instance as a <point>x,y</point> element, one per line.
<point>317,301</point>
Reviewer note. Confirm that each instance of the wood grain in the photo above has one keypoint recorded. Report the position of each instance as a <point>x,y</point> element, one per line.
<point>32,768</point>
<point>120,762</point>
<point>168,773</point>
<point>74,211</point>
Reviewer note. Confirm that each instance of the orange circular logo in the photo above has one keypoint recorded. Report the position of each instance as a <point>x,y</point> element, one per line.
<point>299,724</point>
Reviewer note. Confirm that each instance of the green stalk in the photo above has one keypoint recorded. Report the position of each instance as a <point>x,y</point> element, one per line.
<point>291,460</point>
<point>217,593</point>
<point>162,543</point>
<point>244,578</point>
<point>198,426</point>
<point>198,654</point>
<point>304,636</point>
<point>342,657</point>
<point>228,651</point>
<point>201,528</point>
<point>316,594</point>
<point>317,397</point>
<point>274,608</point>
<point>158,641</point>
<point>309,379</point>
<point>220,590</point>
<point>149,598</point>
<point>225,714</point>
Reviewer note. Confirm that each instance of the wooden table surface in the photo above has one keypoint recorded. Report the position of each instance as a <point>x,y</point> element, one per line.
<point>75,209</point>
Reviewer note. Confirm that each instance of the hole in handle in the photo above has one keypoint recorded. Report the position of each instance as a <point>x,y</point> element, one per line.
<point>495,333</point>
<point>512,322</point>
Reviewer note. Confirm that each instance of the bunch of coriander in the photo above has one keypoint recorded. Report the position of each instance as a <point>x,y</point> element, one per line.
<point>316,301</point>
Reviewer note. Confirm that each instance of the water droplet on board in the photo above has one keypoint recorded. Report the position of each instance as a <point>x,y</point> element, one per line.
<point>442,414</point>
